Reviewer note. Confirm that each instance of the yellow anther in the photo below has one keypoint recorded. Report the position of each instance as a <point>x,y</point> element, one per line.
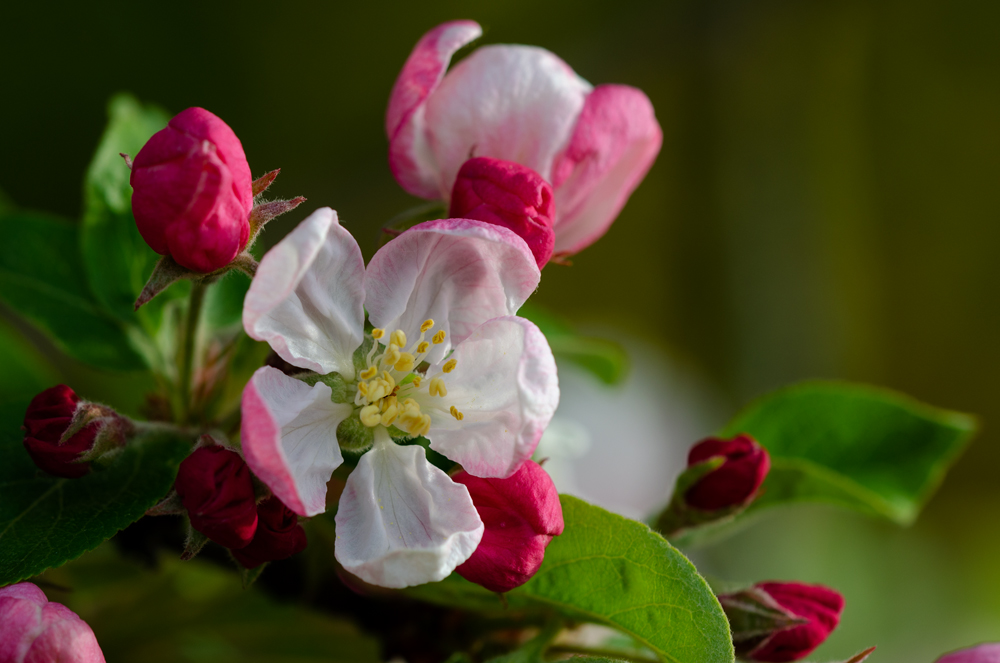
<point>363,388</point>
<point>437,387</point>
<point>399,338</point>
<point>410,404</point>
<point>426,326</point>
<point>455,413</point>
<point>416,381</point>
<point>369,373</point>
<point>389,415</point>
<point>391,355</point>
<point>449,365</point>
<point>378,389</point>
<point>378,333</point>
<point>405,363</point>
<point>423,347</point>
<point>423,425</point>
<point>438,337</point>
<point>390,384</point>
<point>370,416</point>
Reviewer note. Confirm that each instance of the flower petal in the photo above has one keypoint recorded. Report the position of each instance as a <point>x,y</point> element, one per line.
<point>404,119</point>
<point>516,103</point>
<point>614,143</point>
<point>307,300</point>
<point>458,272</point>
<point>290,437</point>
<point>402,521</point>
<point>506,387</point>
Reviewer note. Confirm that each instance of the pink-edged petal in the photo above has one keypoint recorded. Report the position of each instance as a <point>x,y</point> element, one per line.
<point>307,299</point>
<point>289,437</point>
<point>458,272</point>
<point>505,385</point>
<point>404,119</point>
<point>614,143</point>
<point>402,521</point>
<point>516,103</point>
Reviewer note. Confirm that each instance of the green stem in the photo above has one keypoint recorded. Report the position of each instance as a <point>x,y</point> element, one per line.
<point>188,337</point>
<point>599,653</point>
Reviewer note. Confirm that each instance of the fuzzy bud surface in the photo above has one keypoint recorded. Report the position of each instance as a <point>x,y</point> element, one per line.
<point>215,487</point>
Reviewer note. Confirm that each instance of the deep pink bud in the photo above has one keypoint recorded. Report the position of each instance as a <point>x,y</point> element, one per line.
<point>33,630</point>
<point>984,653</point>
<point>46,419</point>
<point>278,536</point>
<point>521,514</point>
<point>736,481</point>
<point>510,195</point>
<point>820,605</point>
<point>215,487</point>
<point>192,191</point>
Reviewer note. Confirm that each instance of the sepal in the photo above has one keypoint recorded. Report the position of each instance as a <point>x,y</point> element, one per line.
<point>194,543</point>
<point>261,184</point>
<point>754,615</point>
<point>170,505</point>
<point>678,516</point>
<point>264,212</point>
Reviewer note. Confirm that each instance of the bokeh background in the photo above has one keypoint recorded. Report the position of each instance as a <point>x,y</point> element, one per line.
<point>826,204</point>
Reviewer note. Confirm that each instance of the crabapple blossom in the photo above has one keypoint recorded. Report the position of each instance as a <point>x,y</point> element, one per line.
<point>45,421</point>
<point>35,630</point>
<point>736,481</point>
<point>985,653</point>
<point>445,360</point>
<point>520,104</point>
<point>215,487</point>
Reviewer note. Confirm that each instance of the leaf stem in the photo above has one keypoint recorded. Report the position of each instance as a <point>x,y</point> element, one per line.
<point>188,338</point>
<point>600,653</point>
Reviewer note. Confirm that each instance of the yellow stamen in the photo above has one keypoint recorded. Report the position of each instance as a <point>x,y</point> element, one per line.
<point>423,347</point>
<point>455,413</point>
<point>437,387</point>
<point>378,333</point>
<point>389,415</point>
<point>363,388</point>
<point>426,326</point>
<point>405,362</point>
<point>449,365</point>
<point>391,355</point>
<point>368,374</point>
<point>370,416</point>
<point>399,338</point>
<point>389,382</point>
<point>416,382</point>
<point>438,337</point>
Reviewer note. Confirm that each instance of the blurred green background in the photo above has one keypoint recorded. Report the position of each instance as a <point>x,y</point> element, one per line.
<point>826,204</point>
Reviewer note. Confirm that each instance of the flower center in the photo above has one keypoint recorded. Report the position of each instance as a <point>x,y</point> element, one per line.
<point>392,378</point>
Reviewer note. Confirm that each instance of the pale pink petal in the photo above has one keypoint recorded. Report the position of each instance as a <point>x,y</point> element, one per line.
<point>516,103</point>
<point>289,437</point>
<point>402,521</point>
<point>404,123</point>
<point>506,387</point>
<point>307,299</point>
<point>457,272</point>
<point>614,144</point>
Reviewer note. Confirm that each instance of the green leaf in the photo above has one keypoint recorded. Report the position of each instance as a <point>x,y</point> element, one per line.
<point>117,260</point>
<point>862,447</point>
<point>611,570</point>
<point>605,359</point>
<point>193,612</point>
<point>46,521</point>
<point>25,370</point>
<point>43,279</point>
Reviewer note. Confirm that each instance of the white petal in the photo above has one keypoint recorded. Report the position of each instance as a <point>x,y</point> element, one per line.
<point>289,437</point>
<point>505,385</point>
<point>307,300</point>
<point>517,103</point>
<point>458,272</point>
<point>402,521</point>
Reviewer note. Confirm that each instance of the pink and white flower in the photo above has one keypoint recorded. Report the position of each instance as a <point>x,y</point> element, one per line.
<point>521,104</point>
<point>446,360</point>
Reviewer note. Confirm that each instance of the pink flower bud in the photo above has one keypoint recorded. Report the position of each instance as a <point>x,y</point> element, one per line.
<point>33,630</point>
<point>733,484</point>
<point>521,514</point>
<point>984,653</point>
<point>192,191</point>
<point>278,536</point>
<point>820,606</point>
<point>46,419</point>
<point>215,487</point>
<point>510,195</point>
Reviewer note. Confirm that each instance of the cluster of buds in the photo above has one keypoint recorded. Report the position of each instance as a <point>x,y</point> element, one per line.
<point>35,630</point>
<point>64,434</point>
<point>216,490</point>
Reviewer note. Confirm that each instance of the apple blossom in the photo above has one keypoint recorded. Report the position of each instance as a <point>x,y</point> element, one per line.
<point>215,487</point>
<point>521,104</point>
<point>736,481</point>
<point>985,653</point>
<point>446,360</point>
<point>279,535</point>
<point>35,630</point>
<point>46,420</point>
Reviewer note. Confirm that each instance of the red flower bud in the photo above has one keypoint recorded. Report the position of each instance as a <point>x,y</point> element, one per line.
<point>984,653</point>
<point>215,487</point>
<point>278,536</point>
<point>192,193</point>
<point>46,419</point>
<point>33,630</point>
<point>521,514</point>
<point>819,605</point>
<point>510,195</point>
<point>736,482</point>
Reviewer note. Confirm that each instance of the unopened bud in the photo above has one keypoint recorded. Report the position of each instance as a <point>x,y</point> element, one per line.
<point>34,629</point>
<point>736,481</point>
<point>47,420</point>
<point>775,622</point>
<point>507,194</point>
<point>985,653</point>
<point>521,514</point>
<point>215,487</point>
<point>279,535</point>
